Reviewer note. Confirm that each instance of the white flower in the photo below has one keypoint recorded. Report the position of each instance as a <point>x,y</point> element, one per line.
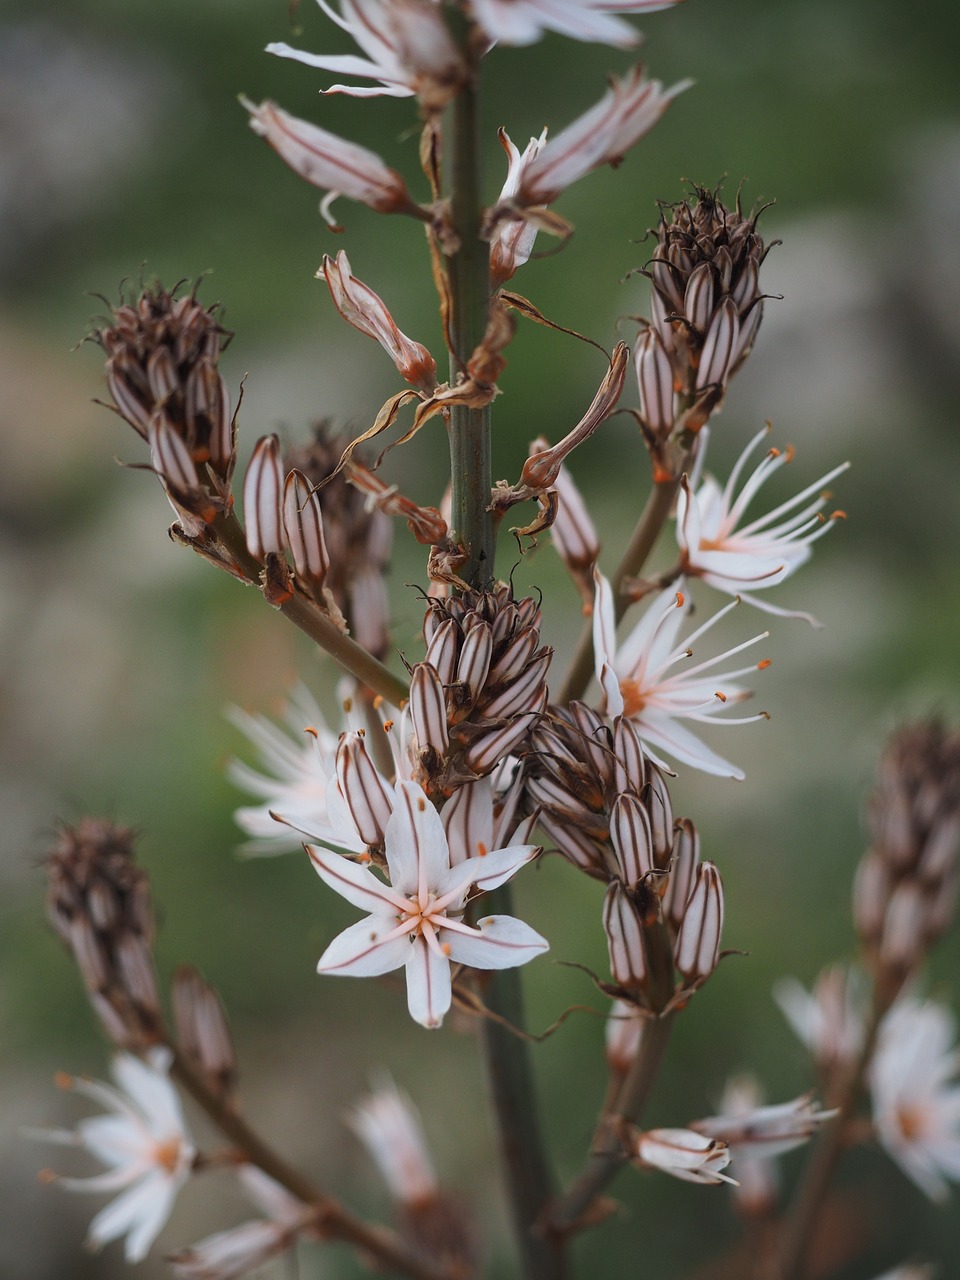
<point>513,237</point>
<point>830,1019</point>
<point>388,1126</point>
<point>639,682</point>
<point>916,1108</point>
<point>763,1131</point>
<point>416,919</point>
<point>144,1142</point>
<point>602,135</point>
<point>409,50</point>
<point>683,1154</point>
<point>332,163</point>
<point>521,22</point>
<point>759,554</point>
<point>299,771</point>
<point>227,1255</point>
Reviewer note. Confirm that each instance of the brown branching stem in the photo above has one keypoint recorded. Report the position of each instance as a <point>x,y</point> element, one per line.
<point>332,1219</point>
<point>321,629</point>
<point>572,1212</point>
<point>798,1228</point>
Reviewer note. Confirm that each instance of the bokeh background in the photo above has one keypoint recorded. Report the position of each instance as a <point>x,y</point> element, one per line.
<point>123,151</point>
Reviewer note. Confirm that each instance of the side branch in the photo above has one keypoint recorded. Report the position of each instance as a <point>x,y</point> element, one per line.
<point>331,1217</point>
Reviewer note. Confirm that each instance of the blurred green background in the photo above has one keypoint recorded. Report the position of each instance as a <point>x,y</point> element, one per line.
<point>123,150</point>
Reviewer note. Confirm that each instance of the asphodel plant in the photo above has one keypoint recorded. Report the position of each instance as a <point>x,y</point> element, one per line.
<point>435,781</point>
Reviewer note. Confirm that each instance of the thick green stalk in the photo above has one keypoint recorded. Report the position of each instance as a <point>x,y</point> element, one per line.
<point>471,471</point>
<point>529,1182</point>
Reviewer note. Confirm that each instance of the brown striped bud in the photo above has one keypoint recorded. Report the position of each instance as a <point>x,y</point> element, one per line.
<point>624,929</point>
<point>203,1036</point>
<point>483,649</point>
<point>162,353</point>
<point>706,307</point>
<point>357,540</point>
<point>578,771</point>
<point>905,886</point>
<point>697,949</point>
<point>262,500</point>
<point>303,529</point>
<point>98,901</point>
<point>367,797</point>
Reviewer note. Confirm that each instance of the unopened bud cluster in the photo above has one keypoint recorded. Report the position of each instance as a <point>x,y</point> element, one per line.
<point>481,687</point>
<point>99,902</point>
<point>606,807</point>
<point>906,885</point>
<point>706,310</point>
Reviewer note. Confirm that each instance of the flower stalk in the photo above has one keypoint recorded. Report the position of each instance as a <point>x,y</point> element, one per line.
<point>509,1069</point>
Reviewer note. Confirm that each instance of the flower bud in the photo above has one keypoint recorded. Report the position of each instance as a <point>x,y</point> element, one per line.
<point>697,949</point>
<point>683,1154</point>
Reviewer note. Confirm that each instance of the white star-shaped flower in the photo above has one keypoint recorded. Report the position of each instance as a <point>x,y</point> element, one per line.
<point>416,920</point>
<point>740,558</point>
<point>916,1108</point>
<point>144,1142</point>
<point>640,681</point>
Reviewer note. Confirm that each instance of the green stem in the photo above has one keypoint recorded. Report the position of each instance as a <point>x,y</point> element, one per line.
<point>522,1150</point>
<point>529,1182</point>
<point>471,469</point>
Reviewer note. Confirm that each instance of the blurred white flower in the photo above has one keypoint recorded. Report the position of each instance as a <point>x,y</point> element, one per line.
<point>388,1126</point>
<point>759,554</point>
<point>299,760</point>
<point>144,1142</point>
<point>916,1099</point>
<point>829,1019</point>
<point>639,682</point>
<point>408,46</point>
<point>416,920</point>
<point>521,22</point>
<point>227,1255</point>
<point>683,1154</point>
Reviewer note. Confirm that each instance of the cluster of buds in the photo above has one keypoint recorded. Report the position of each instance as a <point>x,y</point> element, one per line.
<point>162,357</point>
<point>706,309</point>
<point>606,807</point>
<point>481,687</point>
<point>99,902</point>
<point>906,885</point>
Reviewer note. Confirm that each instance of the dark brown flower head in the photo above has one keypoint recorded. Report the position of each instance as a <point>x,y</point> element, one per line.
<point>906,885</point>
<point>706,299</point>
<point>162,354</point>
<point>482,685</point>
<point>98,901</point>
<point>358,539</point>
<point>601,801</point>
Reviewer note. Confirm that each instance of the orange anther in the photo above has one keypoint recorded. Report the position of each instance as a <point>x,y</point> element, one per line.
<point>762,665</point>
<point>681,599</point>
<point>721,696</point>
<point>387,726</point>
<point>421,804</point>
<point>62,1080</point>
<point>482,849</point>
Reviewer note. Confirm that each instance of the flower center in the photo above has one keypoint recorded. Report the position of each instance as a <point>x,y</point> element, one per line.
<point>911,1120</point>
<point>167,1155</point>
<point>634,697</point>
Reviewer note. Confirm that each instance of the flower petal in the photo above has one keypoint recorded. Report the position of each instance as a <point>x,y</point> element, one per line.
<point>366,949</point>
<point>429,990</point>
<point>500,942</point>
